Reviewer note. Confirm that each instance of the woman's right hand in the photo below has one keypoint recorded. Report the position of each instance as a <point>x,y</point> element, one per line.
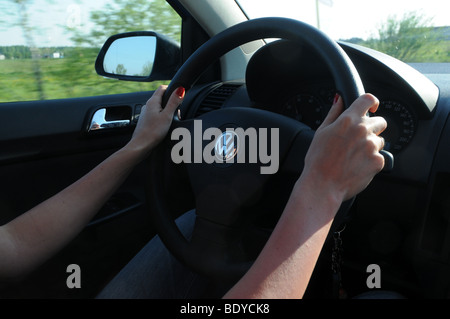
<point>344,155</point>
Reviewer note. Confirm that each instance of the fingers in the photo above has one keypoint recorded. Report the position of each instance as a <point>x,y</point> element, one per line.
<point>336,109</point>
<point>358,110</point>
<point>365,103</point>
<point>376,124</point>
<point>175,100</point>
<point>360,107</point>
<point>382,143</point>
<point>157,95</point>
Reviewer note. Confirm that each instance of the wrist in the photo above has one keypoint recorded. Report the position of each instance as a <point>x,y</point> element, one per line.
<point>317,191</point>
<point>136,151</point>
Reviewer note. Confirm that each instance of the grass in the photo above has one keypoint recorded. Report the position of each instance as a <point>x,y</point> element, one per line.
<point>61,78</point>
<point>70,77</point>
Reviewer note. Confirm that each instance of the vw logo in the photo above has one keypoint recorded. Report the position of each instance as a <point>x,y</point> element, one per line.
<point>226,146</point>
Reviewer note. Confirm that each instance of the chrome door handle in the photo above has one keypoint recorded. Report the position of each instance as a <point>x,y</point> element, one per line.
<point>99,121</point>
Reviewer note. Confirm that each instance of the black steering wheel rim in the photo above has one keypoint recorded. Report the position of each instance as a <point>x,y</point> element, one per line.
<point>346,77</point>
<point>348,84</point>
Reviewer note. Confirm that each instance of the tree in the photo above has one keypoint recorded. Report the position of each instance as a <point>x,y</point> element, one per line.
<point>24,23</point>
<point>120,69</point>
<point>409,39</point>
<point>16,52</point>
<point>130,15</point>
<point>147,69</point>
<point>118,16</point>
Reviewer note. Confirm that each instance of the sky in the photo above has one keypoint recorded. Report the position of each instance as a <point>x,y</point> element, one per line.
<point>345,19</point>
<point>342,20</point>
<point>48,19</point>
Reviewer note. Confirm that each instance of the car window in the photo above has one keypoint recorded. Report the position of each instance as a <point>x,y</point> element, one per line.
<point>409,30</point>
<point>48,48</point>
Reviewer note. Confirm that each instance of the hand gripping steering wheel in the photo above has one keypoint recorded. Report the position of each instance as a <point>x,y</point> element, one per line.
<point>222,192</point>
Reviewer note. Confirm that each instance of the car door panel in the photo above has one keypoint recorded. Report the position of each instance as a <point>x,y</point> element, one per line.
<point>44,147</point>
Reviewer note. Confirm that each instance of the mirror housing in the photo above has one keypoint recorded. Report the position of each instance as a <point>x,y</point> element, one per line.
<point>142,56</point>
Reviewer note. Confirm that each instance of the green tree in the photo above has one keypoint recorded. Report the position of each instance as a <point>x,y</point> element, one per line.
<point>74,75</point>
<point>16,52</point>
<point>117,16</point>
<point>130,15</point>
<point>23,21</point>
<point>410,39</point>
<point>147,69</point>
<point>120,69</point>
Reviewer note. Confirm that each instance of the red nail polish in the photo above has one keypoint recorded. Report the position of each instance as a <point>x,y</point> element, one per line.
<point>180,92</point>
<point>336,98</point>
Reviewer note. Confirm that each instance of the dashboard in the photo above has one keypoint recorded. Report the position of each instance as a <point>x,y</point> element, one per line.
<point>310,105</point>
<point>401,219</point>
<point>293,80</point>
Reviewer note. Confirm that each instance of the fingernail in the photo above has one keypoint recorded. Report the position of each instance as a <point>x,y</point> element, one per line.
<point>336,98</point>
<point>180,92</point>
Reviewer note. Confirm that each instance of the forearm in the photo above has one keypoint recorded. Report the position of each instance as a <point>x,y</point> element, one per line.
<point>342,160</point>
<point>286,263</point>
<point>36,235</point>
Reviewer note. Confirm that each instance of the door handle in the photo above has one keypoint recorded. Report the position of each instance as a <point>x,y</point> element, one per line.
<point>99,121</point>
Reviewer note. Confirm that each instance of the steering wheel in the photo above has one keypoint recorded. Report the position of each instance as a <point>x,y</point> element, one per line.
<point>224,191</point>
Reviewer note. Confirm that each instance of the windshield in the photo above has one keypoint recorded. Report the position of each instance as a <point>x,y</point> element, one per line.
<point>410,30</point>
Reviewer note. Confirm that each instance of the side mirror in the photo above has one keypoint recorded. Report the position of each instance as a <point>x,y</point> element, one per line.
<point>138,56</point>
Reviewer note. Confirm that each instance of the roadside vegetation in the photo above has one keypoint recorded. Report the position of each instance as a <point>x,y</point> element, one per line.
<point>29,72</point>
<point>411,39</point>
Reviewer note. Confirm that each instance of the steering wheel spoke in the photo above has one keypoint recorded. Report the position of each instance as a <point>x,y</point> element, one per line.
<point>295,158</point>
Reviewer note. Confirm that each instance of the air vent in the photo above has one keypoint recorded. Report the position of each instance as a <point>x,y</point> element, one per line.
<point>216,98</point>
